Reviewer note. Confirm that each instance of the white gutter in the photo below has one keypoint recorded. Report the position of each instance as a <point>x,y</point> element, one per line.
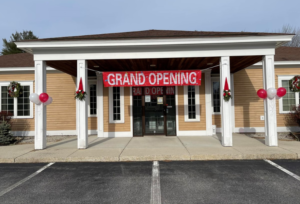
<point>280,63</point>
<point>9,69</point>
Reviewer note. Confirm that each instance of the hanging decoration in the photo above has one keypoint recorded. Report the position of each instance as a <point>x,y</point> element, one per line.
<point>261,93</point>
<point>80,93</point>
<point>39,99</point>
<point>271,93</point>
<point>226,94</point>
<point>14,89</point>
<point>295,84</point>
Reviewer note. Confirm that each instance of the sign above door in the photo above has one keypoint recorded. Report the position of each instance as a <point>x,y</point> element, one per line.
<point>152,78</point>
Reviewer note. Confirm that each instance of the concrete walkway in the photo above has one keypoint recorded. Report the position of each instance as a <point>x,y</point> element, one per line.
<point>150,148</point>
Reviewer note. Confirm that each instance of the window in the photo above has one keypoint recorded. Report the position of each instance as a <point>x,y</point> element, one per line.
<point>93,100</point>
<point>20,107</point>
<point>216,96</point>
<point>290,99</point>
<point>116,104</point>
<point>191,103</point>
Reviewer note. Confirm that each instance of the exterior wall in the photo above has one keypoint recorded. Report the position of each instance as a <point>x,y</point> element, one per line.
<point>117,127</point>
<point>61,114</point>
<point>216,120</point>
<point>186,126</point>
<point>249,107</point>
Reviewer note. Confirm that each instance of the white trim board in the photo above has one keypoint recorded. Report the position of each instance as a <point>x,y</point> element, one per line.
<point>193,133</point>
<point>10,69</point>
<point>262,129</point>
<point>72,132</point>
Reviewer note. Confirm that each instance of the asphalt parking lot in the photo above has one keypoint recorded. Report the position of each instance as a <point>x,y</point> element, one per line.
<point>255,181</point>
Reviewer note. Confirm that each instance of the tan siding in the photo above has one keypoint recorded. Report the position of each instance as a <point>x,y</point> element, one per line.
<point>248,106</point>
<point>61,114</point>
<point>20,124</point>
<point>283,71</point>
<point>192,125</point>
<point>216,120</point>
<point>116,127</point>
<point>92,123</point>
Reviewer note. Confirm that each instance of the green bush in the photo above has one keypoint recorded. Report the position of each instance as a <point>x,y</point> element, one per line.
<point>6,137</point>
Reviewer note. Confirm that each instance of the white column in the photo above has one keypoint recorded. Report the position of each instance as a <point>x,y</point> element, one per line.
<point>208,105</point>
<point>40,110</point>
<point>226,112</point>
<point>270,104</point>
<point>100,104</point>
<point>81,107</point>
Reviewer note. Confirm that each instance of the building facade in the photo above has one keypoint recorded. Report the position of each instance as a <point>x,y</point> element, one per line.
<point>245,60</point>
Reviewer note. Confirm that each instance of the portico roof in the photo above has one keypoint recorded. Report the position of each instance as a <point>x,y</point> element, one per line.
<point>155,50</point>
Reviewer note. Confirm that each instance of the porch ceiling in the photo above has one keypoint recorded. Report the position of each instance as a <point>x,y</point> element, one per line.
<point>236,63</point>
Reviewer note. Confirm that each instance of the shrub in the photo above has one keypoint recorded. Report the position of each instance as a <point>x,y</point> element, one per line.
<point>6,137</point>
<point>294,115</point>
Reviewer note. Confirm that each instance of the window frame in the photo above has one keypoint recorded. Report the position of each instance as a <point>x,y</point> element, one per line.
<point>197,105</point>
<point>91,82</point>
<point>214,79</point>
<point>280,79</point>
<point>111,117</point>
<point>23,83</point>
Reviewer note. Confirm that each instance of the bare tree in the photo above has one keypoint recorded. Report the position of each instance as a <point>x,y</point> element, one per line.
<point>295,42</point>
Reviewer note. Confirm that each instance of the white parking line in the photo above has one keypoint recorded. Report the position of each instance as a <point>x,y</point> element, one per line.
<point>24,180</point>
<point>155,186</point>
<point>283,169</point>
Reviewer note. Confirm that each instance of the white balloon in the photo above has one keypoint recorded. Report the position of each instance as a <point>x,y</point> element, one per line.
<point>49,101</point>
<point>34,98</point>
<point>272,92</point>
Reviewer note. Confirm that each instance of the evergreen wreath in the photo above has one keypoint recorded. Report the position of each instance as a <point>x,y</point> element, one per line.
<point>226,95</point>
<point>295,84</point>
<point>14,89</point>
<point>80,94</point>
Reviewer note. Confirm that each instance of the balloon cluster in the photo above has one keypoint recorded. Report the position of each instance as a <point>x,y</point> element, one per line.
<point>271,93</point>
<point>39,99</point>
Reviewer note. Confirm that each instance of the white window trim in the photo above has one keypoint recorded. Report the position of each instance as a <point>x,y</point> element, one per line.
<point>286,77</point>
<point>110,100</point>
<point>91,82</point>
<point>23,83</point>
<point>214,79</point>
<point>197,103</point>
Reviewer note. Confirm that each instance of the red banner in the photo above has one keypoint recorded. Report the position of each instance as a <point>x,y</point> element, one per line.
<point>152,78</point>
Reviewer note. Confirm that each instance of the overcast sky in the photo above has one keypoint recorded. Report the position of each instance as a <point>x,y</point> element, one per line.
<point>56,18</point>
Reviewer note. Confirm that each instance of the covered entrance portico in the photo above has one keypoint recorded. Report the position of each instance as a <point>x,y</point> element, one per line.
<point>225,54</point>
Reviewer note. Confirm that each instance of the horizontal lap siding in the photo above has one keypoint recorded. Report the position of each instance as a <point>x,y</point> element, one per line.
<point>216,120</point>
<point>116,127</point>
<point>283,71</point>
<point>248,106</point>
<point>20,124</point>
<point>184,126</point>
<point>61,114</point>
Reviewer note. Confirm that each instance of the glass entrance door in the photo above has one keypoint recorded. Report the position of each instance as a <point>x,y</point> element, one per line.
<point>154,111</point>
<point>154,115</point>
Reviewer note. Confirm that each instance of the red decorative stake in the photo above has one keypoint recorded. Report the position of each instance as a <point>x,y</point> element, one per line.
<point>80,93</point>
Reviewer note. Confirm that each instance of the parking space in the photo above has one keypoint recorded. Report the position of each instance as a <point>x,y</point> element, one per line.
<point>12,173</point>
<point>255,181</point>
<point>86,183</point>
<point>226,182</point>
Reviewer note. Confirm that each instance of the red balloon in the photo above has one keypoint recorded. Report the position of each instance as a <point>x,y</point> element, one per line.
<point>44,97</point>
<point>281,92</point>
<point>262,93</point>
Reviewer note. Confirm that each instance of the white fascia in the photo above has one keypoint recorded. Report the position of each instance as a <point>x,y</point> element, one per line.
<point>30,46</point>
<point>280,63</point>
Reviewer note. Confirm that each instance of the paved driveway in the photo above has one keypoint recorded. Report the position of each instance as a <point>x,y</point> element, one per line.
<point>255,181</point>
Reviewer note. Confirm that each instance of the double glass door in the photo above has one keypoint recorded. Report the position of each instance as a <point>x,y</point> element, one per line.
<point>154,111</point>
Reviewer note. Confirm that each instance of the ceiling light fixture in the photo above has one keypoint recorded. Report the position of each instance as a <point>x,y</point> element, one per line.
<point>96,66</point>
<point>210,63</point>
<point>152,65</point>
